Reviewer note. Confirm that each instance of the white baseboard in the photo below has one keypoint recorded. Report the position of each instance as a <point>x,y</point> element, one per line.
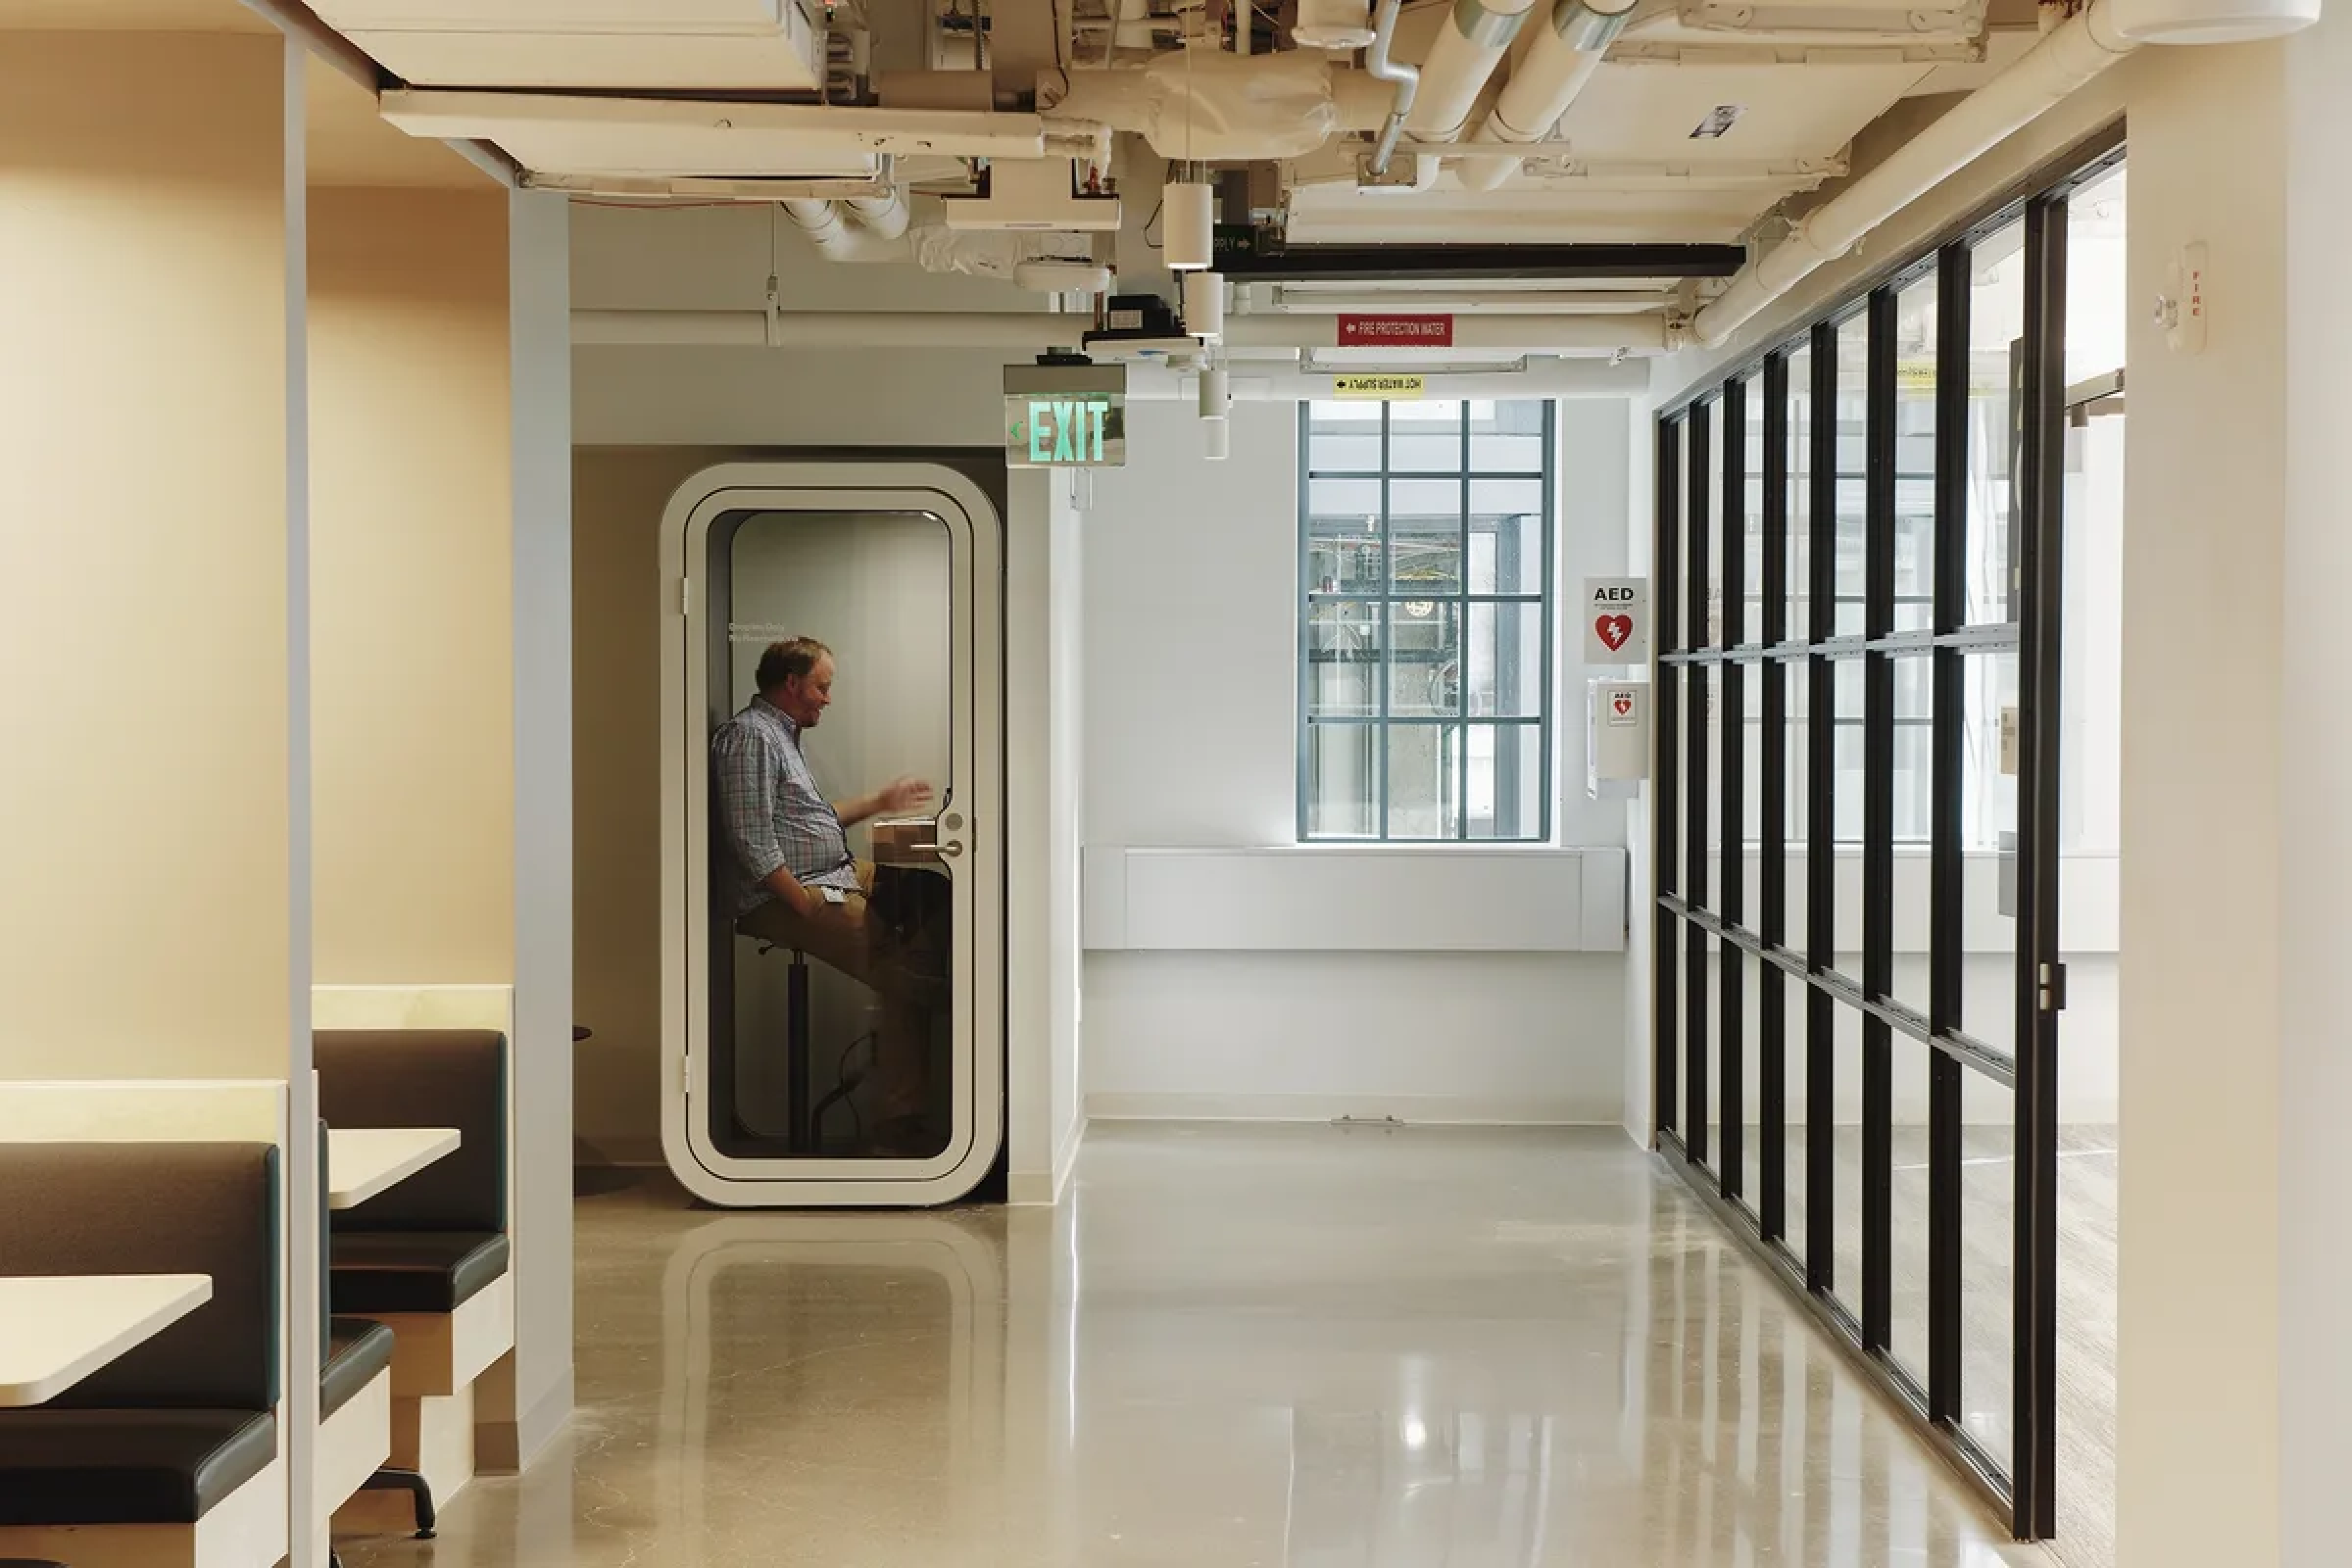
<point>1426,1109</point>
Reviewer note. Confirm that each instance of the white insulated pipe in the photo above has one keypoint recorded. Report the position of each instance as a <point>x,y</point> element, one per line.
<point>885,216</point>
<point>1459,64</point>
<point>2066,57</point>
<point>1019,331</point>
<point>1543,85</point>
<point>875,235</point>
<point>1266,383</point>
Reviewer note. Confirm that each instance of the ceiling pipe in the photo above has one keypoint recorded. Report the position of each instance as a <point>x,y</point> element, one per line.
<point>837,238</point>
<point>1461,62</point>
<point>885,216</point>
<point>1379,66</point>
<point>1643,334</point>
<point>2072,54</point>
<point>1537,376</point>
<point>1610,337</point>
<point>1564,57</point>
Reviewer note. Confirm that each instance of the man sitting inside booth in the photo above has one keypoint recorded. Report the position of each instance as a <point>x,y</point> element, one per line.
<point>796,884</point>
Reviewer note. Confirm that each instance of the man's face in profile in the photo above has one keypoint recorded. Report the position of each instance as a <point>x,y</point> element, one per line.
<point>805,697</point>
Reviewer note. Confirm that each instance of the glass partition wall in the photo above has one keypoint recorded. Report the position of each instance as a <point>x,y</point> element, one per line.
<point>1858,979</point>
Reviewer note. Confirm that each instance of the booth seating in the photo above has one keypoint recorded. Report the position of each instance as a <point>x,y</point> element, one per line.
<point>355,1390</point>
<point>170,1456</point>
<point>427,1258</point>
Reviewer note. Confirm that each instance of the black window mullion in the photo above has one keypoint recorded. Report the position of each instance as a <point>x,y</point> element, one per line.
<point>1820,830</point>
<point>1878,828</point>
<point>1946,961</point>
<point>1461,769</point>
<point>1667,930</point>
<point>1695,792</point>
<point>1731,1060</point>
<point>2042,544</point>
<point>1388,640</point>
<point>1772,819</point>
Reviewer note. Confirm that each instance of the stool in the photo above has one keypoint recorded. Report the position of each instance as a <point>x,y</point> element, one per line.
<point>800,1133</point>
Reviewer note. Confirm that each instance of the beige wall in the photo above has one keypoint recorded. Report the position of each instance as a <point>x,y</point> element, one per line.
<point>412,580</point>
<point>146,846</point>
<point>618,494</point>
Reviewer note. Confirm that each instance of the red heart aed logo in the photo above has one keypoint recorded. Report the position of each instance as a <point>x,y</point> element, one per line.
<point>1624,704</point>
<point>1614,630</point>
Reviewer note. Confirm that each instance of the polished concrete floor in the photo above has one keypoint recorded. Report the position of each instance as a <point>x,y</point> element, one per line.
<point>1307,1347</point>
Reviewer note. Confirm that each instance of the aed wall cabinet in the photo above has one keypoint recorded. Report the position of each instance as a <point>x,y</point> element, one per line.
<point>1616,737</point>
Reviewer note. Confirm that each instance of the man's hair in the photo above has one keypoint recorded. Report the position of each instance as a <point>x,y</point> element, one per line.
<point>793,658</point>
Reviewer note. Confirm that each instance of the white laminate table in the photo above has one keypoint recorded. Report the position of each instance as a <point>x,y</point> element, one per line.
<point>363,1160</point>
<point>56,1330</point>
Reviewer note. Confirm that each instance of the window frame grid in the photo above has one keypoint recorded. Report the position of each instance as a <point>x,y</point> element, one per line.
<point>1461,725</point>
<point>2022,1482</point>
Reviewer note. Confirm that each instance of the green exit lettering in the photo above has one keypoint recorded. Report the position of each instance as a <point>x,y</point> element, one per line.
<point>1059,429</point>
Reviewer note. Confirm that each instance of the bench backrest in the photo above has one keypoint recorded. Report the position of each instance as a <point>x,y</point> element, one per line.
<point>423,1078</point>
<point>160,1209</point>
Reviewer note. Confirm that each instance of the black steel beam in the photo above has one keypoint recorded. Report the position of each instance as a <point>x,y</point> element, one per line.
<point>1472,263</point>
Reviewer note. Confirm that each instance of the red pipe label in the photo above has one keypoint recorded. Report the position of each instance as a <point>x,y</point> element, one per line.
<point>1396,331</point>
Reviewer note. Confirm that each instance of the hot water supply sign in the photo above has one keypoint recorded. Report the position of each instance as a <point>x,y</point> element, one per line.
<point>1066,416</point>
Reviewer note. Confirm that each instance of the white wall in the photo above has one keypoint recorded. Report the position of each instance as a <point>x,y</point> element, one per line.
<point>1190,741</point>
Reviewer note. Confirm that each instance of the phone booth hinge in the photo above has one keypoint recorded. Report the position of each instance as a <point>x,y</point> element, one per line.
<point>2053,987</point>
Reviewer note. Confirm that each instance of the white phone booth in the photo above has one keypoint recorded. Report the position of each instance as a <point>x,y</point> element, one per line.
<point>774,1064</point>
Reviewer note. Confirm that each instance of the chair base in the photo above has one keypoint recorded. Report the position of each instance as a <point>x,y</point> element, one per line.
<point>418,1489</point>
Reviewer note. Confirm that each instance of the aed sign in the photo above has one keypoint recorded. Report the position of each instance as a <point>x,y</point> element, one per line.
<point>1616,620</point>
<point>1385,388</point>
<point>1396,333</point>
<point>1086,431</point>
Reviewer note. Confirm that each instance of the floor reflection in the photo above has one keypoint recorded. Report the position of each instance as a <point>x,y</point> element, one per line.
<point>1302,1347</point>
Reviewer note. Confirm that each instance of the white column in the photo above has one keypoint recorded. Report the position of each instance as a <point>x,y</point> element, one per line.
<point>2233,1367</point>
<point>540,262</point>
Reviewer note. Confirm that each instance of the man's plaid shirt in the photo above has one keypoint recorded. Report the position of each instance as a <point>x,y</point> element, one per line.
<point>770,810</point>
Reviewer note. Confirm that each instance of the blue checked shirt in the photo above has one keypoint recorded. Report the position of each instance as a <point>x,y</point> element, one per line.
<point>771,809</point>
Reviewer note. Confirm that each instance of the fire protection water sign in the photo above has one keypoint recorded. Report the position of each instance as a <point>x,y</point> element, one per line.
<point>1616,620</point>
<point>1396,331</point>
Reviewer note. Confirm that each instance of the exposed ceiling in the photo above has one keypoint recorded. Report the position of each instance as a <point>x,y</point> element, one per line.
<point>1683,127</point>
<point>346,143</point>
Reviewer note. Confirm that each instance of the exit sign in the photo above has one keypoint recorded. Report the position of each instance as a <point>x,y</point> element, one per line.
<point>1086,431</point>
<point>1066,416</point>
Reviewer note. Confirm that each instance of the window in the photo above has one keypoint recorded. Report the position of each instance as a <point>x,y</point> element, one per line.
<point>1425,621</point>
<point>1891,539</point>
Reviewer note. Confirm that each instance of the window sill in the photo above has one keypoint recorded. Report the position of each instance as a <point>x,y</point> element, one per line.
<point>1355,898</point>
